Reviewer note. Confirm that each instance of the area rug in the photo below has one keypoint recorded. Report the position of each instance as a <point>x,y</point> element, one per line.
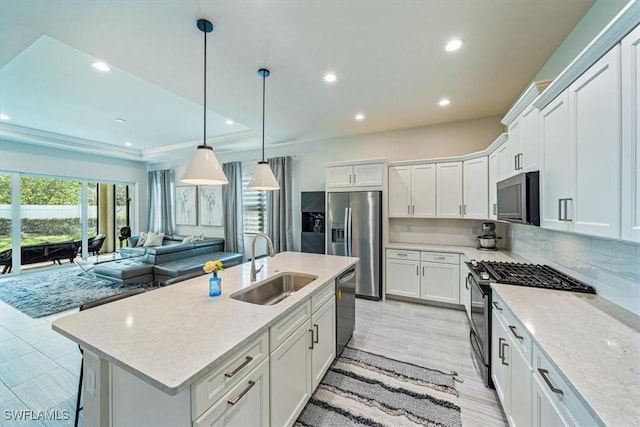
<point>366,389</point>
<point>42,294</point>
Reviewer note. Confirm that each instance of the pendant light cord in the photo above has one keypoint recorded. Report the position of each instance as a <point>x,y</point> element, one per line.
<point>264,78</point>
<point>204,136</point>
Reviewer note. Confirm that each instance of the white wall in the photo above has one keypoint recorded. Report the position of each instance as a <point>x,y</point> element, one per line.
<point>39,160</point>
<point>456,232</point>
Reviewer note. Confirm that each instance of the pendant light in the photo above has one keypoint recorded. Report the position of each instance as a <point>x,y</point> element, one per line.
<point>263,178</point>
<point>204,168</point>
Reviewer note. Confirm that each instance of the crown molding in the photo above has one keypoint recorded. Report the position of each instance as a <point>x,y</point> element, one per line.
<point>527,97</point>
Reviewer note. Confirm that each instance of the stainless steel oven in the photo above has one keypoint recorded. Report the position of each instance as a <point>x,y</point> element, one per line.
<point>480,333</point>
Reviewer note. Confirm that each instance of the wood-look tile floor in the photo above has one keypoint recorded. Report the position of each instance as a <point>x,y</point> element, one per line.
<point>429,336</point>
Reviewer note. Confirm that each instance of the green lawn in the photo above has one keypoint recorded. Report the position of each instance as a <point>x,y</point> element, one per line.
<point>5,242</point>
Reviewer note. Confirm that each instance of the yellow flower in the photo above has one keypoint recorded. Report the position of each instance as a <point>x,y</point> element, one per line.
<point>213,266</point>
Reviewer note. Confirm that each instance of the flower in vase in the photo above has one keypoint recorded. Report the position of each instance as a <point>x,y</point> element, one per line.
<point>213,266</point>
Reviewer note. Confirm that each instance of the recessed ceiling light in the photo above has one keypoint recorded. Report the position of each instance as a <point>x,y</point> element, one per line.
<point>359,116</point>
<point>229,122</point>
<point>128,144</point>
<point>119,120</point>
<point>4,117</point>
<point>100,66</point>
<point>444,102</point>
<point>330,78</point>
<point>453,45</point>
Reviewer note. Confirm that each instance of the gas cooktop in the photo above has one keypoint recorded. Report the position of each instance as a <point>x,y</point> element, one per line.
<point>533,275</point>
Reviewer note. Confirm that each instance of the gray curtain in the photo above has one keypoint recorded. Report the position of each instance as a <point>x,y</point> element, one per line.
<point>280,205</point>
<point>162,199</point>
<point>232,207</point>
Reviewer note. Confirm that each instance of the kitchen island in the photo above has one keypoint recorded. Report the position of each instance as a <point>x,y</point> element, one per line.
<point>149,359</point>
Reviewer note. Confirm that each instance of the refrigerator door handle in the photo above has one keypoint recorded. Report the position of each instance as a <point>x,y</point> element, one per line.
<point>349,235</point>
<point>345,232</point>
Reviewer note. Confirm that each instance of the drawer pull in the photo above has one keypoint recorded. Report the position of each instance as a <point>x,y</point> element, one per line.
<point>439,257</point>
<point>247,360</point>
<point>544,373</point>
<point>500,347</point>
<point>317,333</point>
<point>400,254</point>
<point>242,393</point>
<point>495,304</point>
<point>504,344</point>
<point>312,340</point>
<point>515,334</point>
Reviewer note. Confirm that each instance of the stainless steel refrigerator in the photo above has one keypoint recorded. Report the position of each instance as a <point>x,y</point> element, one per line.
<point>354,228</point>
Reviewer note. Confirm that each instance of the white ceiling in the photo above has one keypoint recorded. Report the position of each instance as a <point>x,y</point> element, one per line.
<point>388,56</point>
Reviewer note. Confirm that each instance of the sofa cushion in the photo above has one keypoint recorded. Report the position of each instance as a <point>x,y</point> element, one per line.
<point>188,265</point>
<point>123,269</point>
<point>140,239</point>
<point>130,252</point>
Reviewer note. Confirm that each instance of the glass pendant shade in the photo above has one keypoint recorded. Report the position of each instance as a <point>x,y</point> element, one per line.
<point>263,178</point>
<point>204,169</point>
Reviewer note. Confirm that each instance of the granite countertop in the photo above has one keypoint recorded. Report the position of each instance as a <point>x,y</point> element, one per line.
<point>171,337</point>
<point>594,344</point>
<point>470,252</point>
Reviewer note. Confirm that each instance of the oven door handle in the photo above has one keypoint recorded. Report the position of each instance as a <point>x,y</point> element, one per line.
<point>475,346</point>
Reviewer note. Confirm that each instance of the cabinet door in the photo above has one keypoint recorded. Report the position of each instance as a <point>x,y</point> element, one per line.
<point>440,282</point>
<point>544,411</point>
<point>595,117</point>
<point>449,193</point>
<point>530,140</point>
<point>515,146</point>
<point>555,167</point>
<point>367,175</point>
<point>494,173</point>
<point>400,191</point>
<point>520,387</point>
<point>423,191</point>
<point>403,278</point>
<point>631,136</point>
<point>476,188</point>
<point>246,405</point>
<point>500,356</point>
<point>323,323</point>
<point>504,162</point>
<point>290,376</point>
<point>339,176</point>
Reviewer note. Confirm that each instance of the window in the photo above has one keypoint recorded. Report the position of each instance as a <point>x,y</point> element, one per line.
<point>254,214</point>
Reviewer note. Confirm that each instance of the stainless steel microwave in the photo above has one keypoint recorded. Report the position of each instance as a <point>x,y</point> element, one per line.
<point>519,198</point>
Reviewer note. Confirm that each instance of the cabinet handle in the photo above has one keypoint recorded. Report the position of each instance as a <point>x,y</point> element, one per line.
<point>247,360</point>
<point>466,283</point>
<point>520,157</point>
<point>317,333</point>
<point>408,210</point>
<point>460,209</point>
<point>504,344</point>
<point>500,347</point>
<point>413,209</point>
<point>495,209</point>
<point>242,393</point>
<point>312,340</point>
<point>423,271</point>
<point>402,255</point>
<point>495,304</point>
<point>349,178</point>
<point>544,373</point>
<point>560,210</point>
<point>515,334</point>
<point>417,270</point>
<point>439,257</point>
<point>566,204</point>
<point>354,178</point>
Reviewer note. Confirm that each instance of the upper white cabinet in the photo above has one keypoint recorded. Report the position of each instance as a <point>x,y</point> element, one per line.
<point>476,188</point>
<point>523,143</point>
<point>581,173</point>
<point>631,136</point>
<point>356,175</point>
<point>515,146</point>
<point>449,190</point>
<point>494,173</point>
<point>412,191</point>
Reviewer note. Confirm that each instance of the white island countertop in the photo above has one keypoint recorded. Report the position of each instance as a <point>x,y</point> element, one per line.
<point>594,344</point>
<point>171,337</point>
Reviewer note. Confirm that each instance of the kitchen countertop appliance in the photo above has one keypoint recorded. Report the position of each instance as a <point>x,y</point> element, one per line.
<point>481,274</point>
<point>489,240</point>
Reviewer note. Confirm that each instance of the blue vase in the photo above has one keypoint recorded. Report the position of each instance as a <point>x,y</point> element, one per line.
<point>215,288</point>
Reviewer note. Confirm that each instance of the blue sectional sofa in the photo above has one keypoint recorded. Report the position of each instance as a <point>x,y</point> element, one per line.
<point>163,263</point>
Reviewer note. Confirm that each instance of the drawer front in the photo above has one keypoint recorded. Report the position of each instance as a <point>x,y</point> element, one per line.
<point>399,254</point>
<point>206,392</point>
<point>440,257</point>
<point>247,404</point>
<point>283,328</point>
<point>561,393</point>
<point>322,295</point>
<point>515,328</point>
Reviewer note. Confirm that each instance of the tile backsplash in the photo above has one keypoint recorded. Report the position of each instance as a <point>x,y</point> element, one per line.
<point>611,267</point>
<point>456,232</point>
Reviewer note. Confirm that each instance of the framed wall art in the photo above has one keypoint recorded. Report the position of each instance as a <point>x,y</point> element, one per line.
<point>210,205</point>
<point>186,205</point>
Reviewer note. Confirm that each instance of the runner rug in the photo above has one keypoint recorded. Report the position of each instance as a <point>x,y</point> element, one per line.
<point>366,389</point>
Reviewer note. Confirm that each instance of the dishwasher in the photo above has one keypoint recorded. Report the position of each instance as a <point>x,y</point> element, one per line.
<point>345,308</point>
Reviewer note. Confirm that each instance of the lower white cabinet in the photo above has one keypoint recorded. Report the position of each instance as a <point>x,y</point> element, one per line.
<point>545,411</point>
<point>403,273</point>
<point>247,404</point>
<point>323,324</point>
<point>440,282</point>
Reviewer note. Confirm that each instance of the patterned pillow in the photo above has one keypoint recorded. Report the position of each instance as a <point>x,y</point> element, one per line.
<point>141,239</point>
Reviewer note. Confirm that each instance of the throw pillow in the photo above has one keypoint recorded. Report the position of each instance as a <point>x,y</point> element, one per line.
<point>188,239</point>
<point>141,239</point>
<point>154,239</point>
<point>198,238</point>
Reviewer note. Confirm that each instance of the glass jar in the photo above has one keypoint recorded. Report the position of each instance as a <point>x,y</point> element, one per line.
<point>215,285</point>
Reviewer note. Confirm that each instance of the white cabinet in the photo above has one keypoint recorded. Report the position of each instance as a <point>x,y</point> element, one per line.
<point>500,356</point>
<point>403,273</point>
<point>545,413</point>
<point>494,175</point>
<point>449,190</point>
<point>515,146</point>
<point>504,161</point>
<point>412,191</point>
<point>523,143</point>
<point>323,324</point>
<point>476,188</point>
<point>440,280</point>
<point>631,136</point>
<point>356,175</point>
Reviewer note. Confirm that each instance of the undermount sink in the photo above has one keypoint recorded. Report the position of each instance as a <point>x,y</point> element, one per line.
<point>274,289</point>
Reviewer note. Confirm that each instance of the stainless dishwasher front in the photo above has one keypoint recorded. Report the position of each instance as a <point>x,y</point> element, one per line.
<point>345,308</point>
